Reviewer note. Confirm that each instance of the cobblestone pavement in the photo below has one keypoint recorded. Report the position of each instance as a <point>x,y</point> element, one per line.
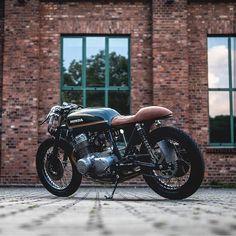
<point>134,211</point>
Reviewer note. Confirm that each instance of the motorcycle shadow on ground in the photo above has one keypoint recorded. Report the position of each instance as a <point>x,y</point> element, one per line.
<point>122,197</point>
<point>116,199</point>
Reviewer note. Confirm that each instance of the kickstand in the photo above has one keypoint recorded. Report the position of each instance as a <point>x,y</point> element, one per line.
<point>116,183</point>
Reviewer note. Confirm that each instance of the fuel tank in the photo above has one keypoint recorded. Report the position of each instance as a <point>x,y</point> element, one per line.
<point>91,119</point>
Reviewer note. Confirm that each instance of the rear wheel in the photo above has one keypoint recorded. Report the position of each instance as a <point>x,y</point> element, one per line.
<point>182,177</point>
<point>57,174</point>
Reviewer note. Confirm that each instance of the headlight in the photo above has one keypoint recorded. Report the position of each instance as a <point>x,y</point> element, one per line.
<point>53,123</point>
<point>54,119</point>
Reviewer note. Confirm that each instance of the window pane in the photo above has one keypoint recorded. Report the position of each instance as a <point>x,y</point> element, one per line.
<point>72,61</point>
<point>72,97</point>
<point>219,117</point>
<point>234,107</point>
<point>218,71</point>
<point>118,61</point>
<point>119,100</point>
<point>233,56</point>
<point>95,61</point>
<point>95,98</point>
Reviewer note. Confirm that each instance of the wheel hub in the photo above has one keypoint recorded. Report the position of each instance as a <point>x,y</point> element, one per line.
<point>169,170</point>
<point>54,168</point>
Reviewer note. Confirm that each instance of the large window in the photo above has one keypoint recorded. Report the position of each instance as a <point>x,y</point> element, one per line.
<point>222,90</point>
<point>96,71</point>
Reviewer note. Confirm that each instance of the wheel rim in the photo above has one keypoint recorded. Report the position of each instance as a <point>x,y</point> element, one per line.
<point>58,170</point>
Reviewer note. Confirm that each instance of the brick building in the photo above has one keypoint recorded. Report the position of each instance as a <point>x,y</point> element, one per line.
<point>179,54</point>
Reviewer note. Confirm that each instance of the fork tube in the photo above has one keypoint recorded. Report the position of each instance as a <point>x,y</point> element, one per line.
<point>56,142</point>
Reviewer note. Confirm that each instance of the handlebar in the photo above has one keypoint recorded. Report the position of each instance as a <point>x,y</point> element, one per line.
<point>70,106</point>
<point>60,110</point>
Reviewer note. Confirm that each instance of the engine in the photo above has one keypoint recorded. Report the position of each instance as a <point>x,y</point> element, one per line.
<point>97,162</point>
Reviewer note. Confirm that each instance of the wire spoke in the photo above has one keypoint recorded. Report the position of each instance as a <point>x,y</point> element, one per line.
<point>174,179</point>
<point>53,171</point>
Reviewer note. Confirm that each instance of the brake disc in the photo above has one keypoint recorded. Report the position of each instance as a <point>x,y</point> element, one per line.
<point>169,171</point>
<point>54,168</point>
<point>182,169</point>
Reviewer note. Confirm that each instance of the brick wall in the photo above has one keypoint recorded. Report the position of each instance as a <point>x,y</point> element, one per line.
<point>170,59</point>
<point>220,167</point>
<point>207,19</point>
<point>1,68</point>
<point>168,68</point>
<point>20,92</point>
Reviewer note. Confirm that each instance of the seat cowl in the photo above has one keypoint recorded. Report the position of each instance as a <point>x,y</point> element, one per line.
<point>121,120</point>
<point>144,114</point>
<point>152,113</point>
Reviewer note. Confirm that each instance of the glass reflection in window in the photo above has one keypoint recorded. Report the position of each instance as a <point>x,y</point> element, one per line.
<point>72,61</point>
<point>234,107</point>
<point>219,117</point>
<point>95,65</point>
<point>233,61</point>
<point>72,97</point>
<point>119,100</point>
<point>218,64</point>
<point>95,98</point>
<point>118,61</point>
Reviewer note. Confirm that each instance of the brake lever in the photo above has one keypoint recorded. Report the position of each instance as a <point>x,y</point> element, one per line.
<point>43,121</point>
<point>46,119</point>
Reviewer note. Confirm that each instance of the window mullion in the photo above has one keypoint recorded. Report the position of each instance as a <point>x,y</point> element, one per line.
<point>62,75</point>
<point>129,72</point>
<point>230,91</point>
<point>84,71</point>
<point>106,70</point>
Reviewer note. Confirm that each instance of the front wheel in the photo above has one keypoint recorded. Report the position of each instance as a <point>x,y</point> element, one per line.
<point>186,172</point>
<point>57,174</point>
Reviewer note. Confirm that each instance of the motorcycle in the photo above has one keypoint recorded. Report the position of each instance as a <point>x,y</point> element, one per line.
<point>107,147</point>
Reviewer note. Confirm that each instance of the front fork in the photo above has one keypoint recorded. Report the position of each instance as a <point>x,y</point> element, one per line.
<point>56,143</point>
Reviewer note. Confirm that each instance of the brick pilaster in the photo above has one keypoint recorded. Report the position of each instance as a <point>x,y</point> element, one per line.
<point>1,67</point>
<point>170,58</point>
<point>20,91</point>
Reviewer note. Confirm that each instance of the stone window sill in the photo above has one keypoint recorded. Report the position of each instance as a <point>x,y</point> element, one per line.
<point>221,149</point>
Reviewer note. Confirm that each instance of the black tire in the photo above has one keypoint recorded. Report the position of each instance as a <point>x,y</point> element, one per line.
<point>194,156</point>
<point>76,178</point>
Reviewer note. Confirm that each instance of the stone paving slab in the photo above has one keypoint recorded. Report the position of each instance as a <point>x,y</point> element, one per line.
<point>134,211</point>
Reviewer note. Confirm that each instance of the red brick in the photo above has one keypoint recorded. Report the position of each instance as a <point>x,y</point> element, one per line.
<point>171,71</point>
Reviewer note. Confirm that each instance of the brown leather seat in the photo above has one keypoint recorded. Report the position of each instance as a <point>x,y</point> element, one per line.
<point>144,114</point>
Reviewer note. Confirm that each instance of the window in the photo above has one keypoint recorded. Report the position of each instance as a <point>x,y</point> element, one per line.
<point>96,71</point>
<point>222,90</point>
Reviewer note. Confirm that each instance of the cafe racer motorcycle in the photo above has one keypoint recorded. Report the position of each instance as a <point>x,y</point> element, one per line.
<point>107,147</point>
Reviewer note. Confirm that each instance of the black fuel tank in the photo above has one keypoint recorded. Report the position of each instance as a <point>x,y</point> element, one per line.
<point>91,118</point>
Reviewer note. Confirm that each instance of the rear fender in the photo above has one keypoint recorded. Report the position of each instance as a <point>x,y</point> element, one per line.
<point>167,149</point>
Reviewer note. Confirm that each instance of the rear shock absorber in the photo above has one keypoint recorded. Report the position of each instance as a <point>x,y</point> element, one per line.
<point>142,134</point>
